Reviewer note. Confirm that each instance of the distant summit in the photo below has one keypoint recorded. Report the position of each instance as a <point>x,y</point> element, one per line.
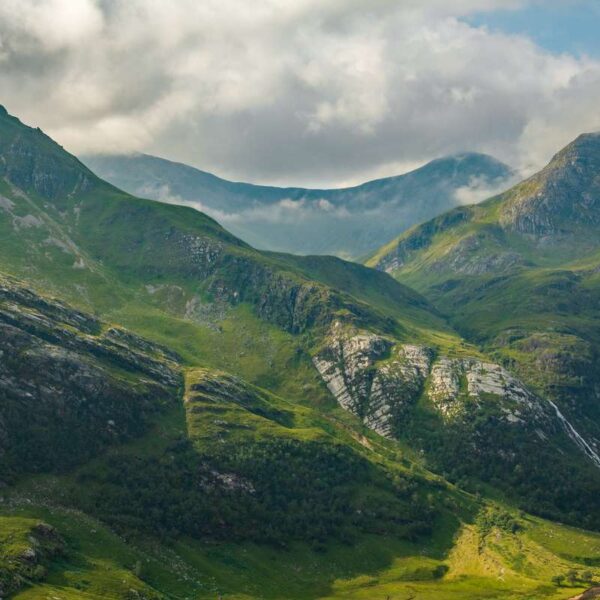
<point>348,222</point>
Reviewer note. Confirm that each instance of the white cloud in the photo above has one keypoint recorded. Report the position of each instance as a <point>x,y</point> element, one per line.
<point>49,25</point>
<point>289,91</point>
<point>284,211</point>
<point>481,188</point>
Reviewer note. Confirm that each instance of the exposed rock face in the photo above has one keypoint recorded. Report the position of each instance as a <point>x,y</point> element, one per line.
<point>69,385</point>
<point>475,380</point>
<point>371,377</point>
<point>379,381</point>
<point>565,194</point>
<point>444,386</point>
<point>47,173</point>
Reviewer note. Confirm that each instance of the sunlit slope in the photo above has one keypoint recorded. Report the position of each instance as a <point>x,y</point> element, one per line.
<point>519,275</point>
<point>223,399</point>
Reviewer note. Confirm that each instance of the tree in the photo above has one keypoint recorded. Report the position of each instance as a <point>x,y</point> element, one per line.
<point>571,576</point>
<point>587,576</point>
<point>558,580</point>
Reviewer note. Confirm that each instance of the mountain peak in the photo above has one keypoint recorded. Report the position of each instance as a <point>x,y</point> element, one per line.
<point>32,161</point>
<point>562,197</point>
<point>470,156</point>
<point>585,146</point>
<point>466,158</point>
<point>586,138</point>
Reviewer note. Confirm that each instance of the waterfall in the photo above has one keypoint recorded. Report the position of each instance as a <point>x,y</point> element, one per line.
<point>574,435</point>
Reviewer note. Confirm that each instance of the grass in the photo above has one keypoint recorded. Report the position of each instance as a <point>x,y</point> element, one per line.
<point>260,353</point>
<point>457,561</point>
<point>282,427</point>
<point>100,564</point>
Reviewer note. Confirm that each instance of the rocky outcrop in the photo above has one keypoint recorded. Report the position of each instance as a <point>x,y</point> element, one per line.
<point>372,377</point>
<point>379,380</point>
<point>32,161</point>
<point>284,298</point>
<point>25,553</point>
<point>454,381</point>
<point>445,387</point>
<point>69,385</point>
<point>563,196</point>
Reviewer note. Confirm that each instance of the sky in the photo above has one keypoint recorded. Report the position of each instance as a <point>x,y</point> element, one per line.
<point>558,26</point>
<point>305,92</point>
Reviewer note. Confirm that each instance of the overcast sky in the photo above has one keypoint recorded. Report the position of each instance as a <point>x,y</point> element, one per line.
<point>306,92</point>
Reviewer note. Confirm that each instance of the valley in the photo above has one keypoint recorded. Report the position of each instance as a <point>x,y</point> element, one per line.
<point>184,416</point>
<point>347,222</point>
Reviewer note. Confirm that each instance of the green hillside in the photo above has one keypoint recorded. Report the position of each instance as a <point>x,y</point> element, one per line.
<point>518,275</point>
<point>183,416</point>
<point>236,492</point>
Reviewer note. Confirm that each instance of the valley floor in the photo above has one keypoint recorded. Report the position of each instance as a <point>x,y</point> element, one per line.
<point>99,564</point>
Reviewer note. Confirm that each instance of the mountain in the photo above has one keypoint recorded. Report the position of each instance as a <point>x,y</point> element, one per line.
<point>131,493</point>
<point>182,415</point>
<point>555,211</point>
<point>519,275</point>
<point>234,492</point>
<point>347,222</point>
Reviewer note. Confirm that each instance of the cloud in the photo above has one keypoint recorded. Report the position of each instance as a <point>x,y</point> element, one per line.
<point>290,91</point>
<point>481,188</point>
<point>49,25</point>
<point>285,211</point>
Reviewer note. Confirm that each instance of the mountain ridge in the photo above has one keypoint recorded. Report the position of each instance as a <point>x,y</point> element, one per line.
<point>308,221</point>
<point>518,275</point>
<point>270,409</point>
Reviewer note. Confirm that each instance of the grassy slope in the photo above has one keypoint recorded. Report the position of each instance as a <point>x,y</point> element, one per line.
<point>100,565</point>
<point>116,236</point>
<point>463,559</point>
<point>535,304</point>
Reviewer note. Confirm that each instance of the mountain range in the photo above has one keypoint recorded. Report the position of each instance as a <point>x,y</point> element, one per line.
<point>184,416</point>
<point>346,222</point>
<point>519,275</point>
